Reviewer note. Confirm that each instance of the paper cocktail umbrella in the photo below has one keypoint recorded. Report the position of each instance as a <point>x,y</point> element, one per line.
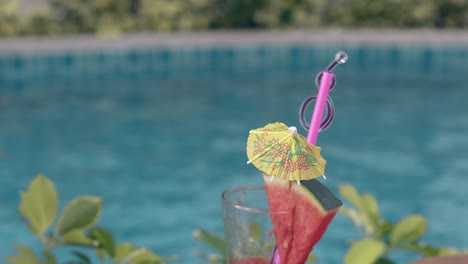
<point>279,151</point>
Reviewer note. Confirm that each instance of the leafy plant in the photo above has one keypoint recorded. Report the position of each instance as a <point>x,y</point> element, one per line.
<point>382,237</point>
<point>75,228</point>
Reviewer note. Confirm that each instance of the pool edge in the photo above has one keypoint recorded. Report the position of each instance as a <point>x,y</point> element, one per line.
<point>210,39</point>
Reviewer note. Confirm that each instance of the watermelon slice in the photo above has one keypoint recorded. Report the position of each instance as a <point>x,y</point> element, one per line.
<point>308,209</point>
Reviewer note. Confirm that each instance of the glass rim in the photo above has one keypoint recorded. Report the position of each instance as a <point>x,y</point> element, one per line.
<point>243,207</point>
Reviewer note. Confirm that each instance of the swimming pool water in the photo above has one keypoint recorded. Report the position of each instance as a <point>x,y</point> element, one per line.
<point>159,134</point>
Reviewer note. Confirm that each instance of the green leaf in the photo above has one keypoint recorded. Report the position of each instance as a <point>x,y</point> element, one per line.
<point>16,260</point>
<point>122,251</point>
<point>76,237</point>
<point>409,229</point>
<point>422,249</point>
<point>101,253</point>
<point>80,213</point>
<point>83,257</point>
<point>447,252</point>
<point>348,192</point>
<point>371,209</point>
<point>353,215</point>
<point>26,256</point>
<point>312,258</point>
<point>386,228</point>
<point>430,251</point>
<point>39,204</point>
<point>365,212</point>
<point>105,239</point>
<point>384,261</point>
<point>26,252</point>
<point>365,251</point>
<point>211,240</point>
<point>140,255</point>
<point>50,258</point>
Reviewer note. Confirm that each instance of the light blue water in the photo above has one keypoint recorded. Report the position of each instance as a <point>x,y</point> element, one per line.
<point>161,146</point>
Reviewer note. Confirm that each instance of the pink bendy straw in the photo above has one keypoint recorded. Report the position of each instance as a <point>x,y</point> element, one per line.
<point>326,82</point>
<point>319,108</point>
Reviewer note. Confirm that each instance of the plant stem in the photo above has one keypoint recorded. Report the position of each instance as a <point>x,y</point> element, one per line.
<point>43,239</point>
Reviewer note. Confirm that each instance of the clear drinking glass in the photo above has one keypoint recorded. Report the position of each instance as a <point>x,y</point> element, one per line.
<point>248,228</point>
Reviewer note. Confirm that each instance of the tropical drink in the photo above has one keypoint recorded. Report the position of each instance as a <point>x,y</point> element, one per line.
<point>284,227</point>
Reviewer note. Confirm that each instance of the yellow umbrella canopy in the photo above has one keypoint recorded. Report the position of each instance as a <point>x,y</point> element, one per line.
<point>279,151</point>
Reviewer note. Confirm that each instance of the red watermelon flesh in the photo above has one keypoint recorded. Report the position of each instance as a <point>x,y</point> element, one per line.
<point>309,208</point>
<point>251,261</point>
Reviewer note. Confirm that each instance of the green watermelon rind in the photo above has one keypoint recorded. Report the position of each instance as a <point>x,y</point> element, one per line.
<point>328,200</point>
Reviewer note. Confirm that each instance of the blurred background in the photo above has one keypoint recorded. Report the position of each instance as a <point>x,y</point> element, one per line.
<point>148,104</point>
<point>55,17</point>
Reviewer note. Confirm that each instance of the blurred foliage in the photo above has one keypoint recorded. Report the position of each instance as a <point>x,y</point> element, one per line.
<point>75,228</point>
<point>100,16</point>
<point>8,17</point>
<point>380,237</point>
<point>400,13</point>
<point>170,15</point>
<point>299,13</point>
<point>112,17</point>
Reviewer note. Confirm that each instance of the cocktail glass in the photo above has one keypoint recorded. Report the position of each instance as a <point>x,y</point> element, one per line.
<point>248,227</point>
